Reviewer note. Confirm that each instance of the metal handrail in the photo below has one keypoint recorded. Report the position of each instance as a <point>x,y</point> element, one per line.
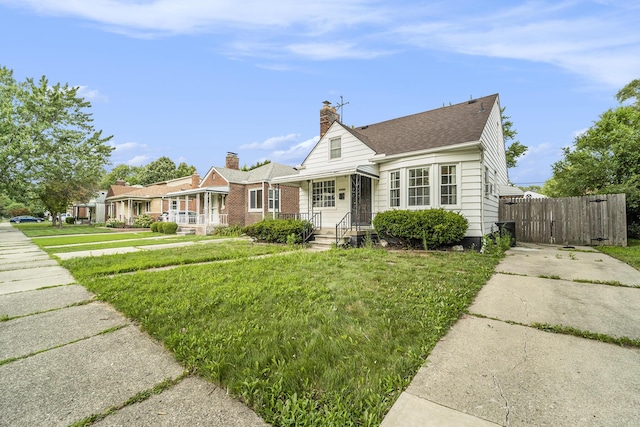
<point>343,227</point>
<point>315,219</point>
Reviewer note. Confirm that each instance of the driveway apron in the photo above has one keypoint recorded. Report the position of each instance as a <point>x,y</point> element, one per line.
<point>499,365</point>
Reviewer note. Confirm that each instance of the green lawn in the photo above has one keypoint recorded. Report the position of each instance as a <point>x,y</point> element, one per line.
<point>46,229</point>
<point>126,243</point>
<point>306,339</point>
<point>630,254</point>
<point>135,261</point>
<point>91,238</point>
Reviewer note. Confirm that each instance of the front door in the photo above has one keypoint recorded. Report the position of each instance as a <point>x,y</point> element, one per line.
<point>360,200</point>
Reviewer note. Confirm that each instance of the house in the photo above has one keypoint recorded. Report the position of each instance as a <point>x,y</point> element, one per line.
<point>92,211</point>
<point>250,196</point>
<point>224,196</point>
<point>124,202</point>
<point>451,157</point>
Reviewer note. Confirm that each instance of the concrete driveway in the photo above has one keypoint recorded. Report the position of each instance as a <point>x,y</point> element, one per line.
<point>495,368</point>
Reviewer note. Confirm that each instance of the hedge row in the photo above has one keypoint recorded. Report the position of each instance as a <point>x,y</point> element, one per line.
<point>164,227</point>
<point>428,229</point>
<point>278,230</point>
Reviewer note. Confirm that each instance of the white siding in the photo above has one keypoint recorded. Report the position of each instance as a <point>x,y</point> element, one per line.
<point>469,181</point>
<point>494,157</point>
<point>354,153</point>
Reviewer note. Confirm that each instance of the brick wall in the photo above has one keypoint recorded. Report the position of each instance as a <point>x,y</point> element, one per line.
<point>235,205</point>
<point>289,199</point>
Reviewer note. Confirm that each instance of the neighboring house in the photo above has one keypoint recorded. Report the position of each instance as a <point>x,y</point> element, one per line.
<point>533,195</point>
<point>94,210</point>
<point>250,196</point>
<point>124,202</point>
<point>452,158</point>
<point>225,196</point>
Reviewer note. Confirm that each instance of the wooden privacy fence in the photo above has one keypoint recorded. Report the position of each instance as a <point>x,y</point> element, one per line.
<point>585,220</point>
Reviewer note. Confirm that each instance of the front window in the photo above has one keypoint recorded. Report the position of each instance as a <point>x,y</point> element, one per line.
<point>394,189</point>
<point>324,194</point>
<point>174,205</point>
<point>419,190</point>
<point>274,199</point>
<point>147,207</point>
<point>448,185</point>
<point>335,150</point>
<point>255,199</point>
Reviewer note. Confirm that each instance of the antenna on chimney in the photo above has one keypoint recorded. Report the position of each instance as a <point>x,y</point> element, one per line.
<point>339,107</point>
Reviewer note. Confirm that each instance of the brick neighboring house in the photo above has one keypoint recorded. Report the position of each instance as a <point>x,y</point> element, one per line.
<point>225,196</point>
<point>250,195</point>
<point>124,202</point>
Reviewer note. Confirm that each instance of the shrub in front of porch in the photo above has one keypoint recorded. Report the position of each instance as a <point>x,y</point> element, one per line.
<point>428,229</point>
<point>168,227</point>
<point>142,221</point>
<point>113,223</point>
<point>278,230</point>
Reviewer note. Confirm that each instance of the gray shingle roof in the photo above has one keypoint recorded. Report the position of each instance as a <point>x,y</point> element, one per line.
<point>263,173</point>
<point>441,127</point>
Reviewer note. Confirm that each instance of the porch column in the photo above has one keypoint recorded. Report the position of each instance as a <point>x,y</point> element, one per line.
<point>198,208</point>
<point>207,210</point>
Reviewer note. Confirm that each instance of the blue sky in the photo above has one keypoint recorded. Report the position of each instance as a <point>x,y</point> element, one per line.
<point>193,79</point>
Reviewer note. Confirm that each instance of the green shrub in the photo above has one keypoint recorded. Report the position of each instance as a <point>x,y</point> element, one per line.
<point>278,230</point>
<point>231,231</point>
<point>154,226</point>
<point>113,223</point>
<point>169,227</point>
<point>428,229</point>
<point>70,220</point>
<point>142,221</point>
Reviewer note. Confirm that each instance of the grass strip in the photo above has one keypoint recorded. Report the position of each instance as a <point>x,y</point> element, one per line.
<point>24,356</point>
<point>46,229</point>
<point>6,318</point>
<point>43,242</point>
<point>55,249</point>
<point>310,339</point>
<point>629,255</point>
<point>136,261</point>
<point>137,398</point>
<point>568,330</point>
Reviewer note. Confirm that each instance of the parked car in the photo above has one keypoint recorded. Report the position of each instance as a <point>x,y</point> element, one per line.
<point>25,218</point>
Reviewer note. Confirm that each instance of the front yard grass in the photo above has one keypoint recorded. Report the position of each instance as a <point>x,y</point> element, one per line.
<point>307,339</point>
<point>143,260</point>
<point>46,229</point>
<point>630,254</point>
<point>160,239</point>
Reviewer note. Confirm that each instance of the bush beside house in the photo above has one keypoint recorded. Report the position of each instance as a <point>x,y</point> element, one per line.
<point>279,230</point>
<point>428,229</point>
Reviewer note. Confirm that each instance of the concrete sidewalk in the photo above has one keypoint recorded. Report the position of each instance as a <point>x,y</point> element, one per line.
<point>494,368</point>
<point>65,357</point>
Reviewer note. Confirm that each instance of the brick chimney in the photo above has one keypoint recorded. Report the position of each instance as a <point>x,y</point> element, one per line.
<point>232,161</point>
<point>328,115</point>
<point>195,180</point>
<point>119,181</point>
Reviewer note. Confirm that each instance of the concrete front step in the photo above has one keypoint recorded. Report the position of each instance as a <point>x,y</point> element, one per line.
<point>186,231</point>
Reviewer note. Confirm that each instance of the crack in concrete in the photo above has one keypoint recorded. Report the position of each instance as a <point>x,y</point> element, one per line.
<point>506,401</point>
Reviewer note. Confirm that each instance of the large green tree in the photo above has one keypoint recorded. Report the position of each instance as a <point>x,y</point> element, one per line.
<point>49,149</point>
<point>605,159</point>
<point>130,174</point>
<point>514,148</point>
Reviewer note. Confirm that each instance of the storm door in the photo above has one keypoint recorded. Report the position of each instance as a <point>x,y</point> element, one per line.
<point>360,200</point>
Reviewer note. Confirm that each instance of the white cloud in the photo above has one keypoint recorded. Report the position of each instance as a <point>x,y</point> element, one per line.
<point>91,94</point>
<point>127,146</point>
<point>296,152</point>
<point>270,143</point>
<point>598,45</point>
<point>138,160</point>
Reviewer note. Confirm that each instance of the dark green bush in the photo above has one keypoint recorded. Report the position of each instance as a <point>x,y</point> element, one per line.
<point>278,230</point>
<point>70,220</point>
<point>231,231</point>
<point>154,226</point>
<point>142,221</point>
<point>169,227</point>
<point>428,229</point>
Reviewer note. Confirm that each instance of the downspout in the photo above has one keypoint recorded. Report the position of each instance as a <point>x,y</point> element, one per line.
<point>263,182</point>
<point>482,197</point>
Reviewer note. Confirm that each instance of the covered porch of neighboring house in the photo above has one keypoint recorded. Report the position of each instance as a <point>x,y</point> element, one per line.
<point>197,210</point>
<point>343,201</point>
<point>126,209</point>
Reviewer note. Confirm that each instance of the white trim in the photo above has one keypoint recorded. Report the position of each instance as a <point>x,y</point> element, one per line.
<point>261,199</point>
